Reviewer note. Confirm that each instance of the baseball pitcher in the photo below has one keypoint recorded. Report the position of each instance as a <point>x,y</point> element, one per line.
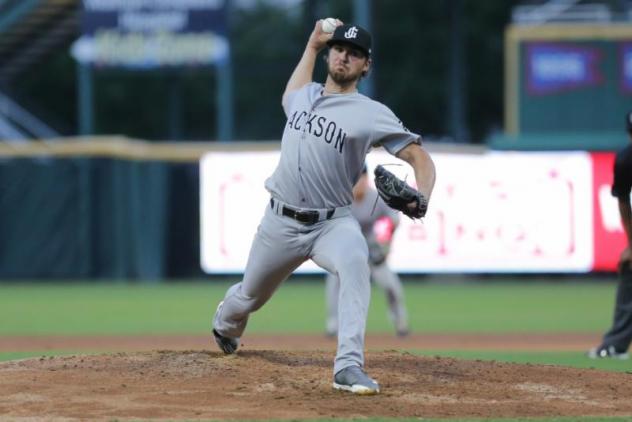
<point>329,130</point>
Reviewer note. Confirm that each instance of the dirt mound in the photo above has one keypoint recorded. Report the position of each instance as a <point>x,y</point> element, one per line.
<point>263,384</point>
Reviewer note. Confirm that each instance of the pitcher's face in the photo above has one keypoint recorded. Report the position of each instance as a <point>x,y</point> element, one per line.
<point>346,64</point>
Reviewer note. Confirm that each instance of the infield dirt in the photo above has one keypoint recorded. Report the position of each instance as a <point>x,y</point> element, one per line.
<point>260,383</point>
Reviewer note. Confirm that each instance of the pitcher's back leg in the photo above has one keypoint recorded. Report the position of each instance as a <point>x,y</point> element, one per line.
<point>273,257</point>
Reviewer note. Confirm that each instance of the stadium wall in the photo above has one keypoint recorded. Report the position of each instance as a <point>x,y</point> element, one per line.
<point>117,208</point>
<point>108,208</point>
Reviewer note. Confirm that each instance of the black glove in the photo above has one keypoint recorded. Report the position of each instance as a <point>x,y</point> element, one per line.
<point>398,195</point>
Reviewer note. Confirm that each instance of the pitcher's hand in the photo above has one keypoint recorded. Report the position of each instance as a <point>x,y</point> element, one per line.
<point>318,38</point>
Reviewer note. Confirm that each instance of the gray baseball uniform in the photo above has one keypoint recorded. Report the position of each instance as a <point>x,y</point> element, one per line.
<point>325,141</point>
<point>364,211</point>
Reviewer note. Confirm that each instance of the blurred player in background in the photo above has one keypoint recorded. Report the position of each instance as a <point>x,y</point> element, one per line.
<point>616,341</point>
<point>378,223</point>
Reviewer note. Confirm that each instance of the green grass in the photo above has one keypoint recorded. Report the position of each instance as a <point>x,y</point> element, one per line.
<point>80,309</point>
<point>298,307</point>
<point>574,359</point>
<point>5,356</point>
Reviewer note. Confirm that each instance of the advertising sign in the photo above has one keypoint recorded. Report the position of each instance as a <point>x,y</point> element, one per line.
<point>625,58</point>
<point>152,33</point>
<point>493,212</point>
<point>554,67</point>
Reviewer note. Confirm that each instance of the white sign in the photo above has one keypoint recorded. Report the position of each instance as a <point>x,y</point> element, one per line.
<point>494,212</point>
<point>147,34</point>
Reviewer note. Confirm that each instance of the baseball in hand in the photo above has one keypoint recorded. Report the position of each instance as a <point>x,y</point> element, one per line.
<point>329,25</point>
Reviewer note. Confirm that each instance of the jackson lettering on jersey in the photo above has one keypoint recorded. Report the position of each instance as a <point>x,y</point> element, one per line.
<point>324,144</point>
<point>318,126</point>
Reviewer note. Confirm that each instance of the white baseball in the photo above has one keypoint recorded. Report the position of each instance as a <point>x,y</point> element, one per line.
<point>329,25</point>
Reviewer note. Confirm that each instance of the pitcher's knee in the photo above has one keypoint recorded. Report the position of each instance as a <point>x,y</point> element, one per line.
<point>353,263</point>
<point>360,257</point>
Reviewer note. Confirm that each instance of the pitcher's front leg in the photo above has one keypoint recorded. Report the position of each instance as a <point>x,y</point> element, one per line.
<point>342,250</point>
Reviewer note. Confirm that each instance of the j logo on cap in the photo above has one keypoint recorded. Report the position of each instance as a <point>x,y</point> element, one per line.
<point>351,32</point>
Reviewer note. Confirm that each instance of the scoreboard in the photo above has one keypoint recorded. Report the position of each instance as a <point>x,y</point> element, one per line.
<point>568,85</point>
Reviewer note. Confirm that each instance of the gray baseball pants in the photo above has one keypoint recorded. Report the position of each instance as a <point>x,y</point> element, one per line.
<point>385,278</point>
<point>281,244</point>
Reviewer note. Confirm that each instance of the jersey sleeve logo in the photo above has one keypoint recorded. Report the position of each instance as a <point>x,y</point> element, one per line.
<point>402,125</point>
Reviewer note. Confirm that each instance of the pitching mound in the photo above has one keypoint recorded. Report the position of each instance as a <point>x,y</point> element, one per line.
<point>264,384</point>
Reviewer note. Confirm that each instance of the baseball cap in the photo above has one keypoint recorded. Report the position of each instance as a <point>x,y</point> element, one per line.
<point>354,35</point>
<point>628,121</point>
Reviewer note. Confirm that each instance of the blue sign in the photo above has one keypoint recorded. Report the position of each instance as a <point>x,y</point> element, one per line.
<point>625,60</point>
<point>146,34</point>
<point>555,67</point>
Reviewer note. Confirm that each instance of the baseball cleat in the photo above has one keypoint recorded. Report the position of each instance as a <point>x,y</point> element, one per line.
<point>403,332</point>
<point>607,352</point>
<point>228,345</point>
<point>356,381</point>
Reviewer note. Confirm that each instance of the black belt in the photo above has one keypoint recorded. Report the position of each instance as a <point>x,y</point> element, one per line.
<point>305,216</point>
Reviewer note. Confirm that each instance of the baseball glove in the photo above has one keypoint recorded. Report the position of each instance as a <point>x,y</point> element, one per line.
<point>398,195</point>
<point>377,252</point>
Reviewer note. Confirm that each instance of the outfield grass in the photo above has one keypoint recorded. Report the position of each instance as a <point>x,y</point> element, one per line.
<point>298,307</point>
<point>574,359</point>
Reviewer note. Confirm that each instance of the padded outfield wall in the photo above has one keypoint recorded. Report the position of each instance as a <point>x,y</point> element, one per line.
<point>106,208</point>
<point>114,208</point>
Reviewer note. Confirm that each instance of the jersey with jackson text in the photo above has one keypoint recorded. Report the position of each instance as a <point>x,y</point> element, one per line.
<point>325,142</point>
